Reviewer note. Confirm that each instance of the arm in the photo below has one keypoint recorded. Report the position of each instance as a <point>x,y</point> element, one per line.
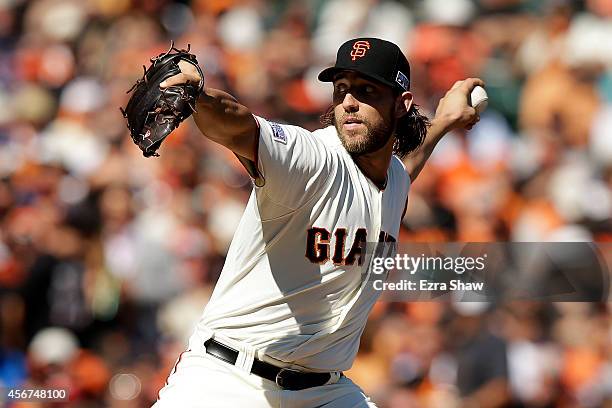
<point>219,116</point>
<point>284,152</point>
<point>415,161</point>
<point>453,112</point>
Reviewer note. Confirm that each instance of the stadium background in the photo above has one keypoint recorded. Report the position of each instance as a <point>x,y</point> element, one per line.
<point>107,258</point>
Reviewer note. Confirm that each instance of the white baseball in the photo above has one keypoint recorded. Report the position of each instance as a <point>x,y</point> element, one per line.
<point>479,99</point>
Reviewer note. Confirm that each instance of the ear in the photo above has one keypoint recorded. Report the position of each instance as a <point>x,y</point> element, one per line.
<point>403,103</point>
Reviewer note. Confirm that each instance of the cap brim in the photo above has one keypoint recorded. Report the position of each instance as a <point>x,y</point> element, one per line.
<point>328,74</point>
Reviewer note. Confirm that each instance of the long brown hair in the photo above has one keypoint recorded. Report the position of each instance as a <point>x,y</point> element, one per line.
<point>410,129</point>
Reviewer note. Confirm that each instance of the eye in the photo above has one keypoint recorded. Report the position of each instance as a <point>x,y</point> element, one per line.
<point>369,89</point>
<point>340,92</point>
<point>340,88</point>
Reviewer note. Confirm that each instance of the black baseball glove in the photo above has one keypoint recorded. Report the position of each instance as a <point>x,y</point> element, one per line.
<point>153,113</point>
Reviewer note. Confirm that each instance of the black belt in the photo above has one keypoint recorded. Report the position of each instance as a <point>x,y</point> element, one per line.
<point>285,378</point>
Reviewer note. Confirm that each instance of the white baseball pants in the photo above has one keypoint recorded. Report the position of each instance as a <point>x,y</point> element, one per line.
<point>201,380</point>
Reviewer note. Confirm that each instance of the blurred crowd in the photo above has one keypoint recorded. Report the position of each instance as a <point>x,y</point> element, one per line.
<point>107,258</point>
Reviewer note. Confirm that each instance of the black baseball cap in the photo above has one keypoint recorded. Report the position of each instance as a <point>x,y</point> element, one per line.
<point>377,59</point>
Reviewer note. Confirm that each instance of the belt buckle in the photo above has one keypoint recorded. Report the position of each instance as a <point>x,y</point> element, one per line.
<point>280,379</point>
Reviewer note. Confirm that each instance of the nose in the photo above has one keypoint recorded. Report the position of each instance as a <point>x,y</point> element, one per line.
<point>349,103</point>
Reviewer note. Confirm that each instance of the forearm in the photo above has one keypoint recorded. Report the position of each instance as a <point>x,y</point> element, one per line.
<point>453,112</point>
<point>222,119</point>
<point>416,161</point>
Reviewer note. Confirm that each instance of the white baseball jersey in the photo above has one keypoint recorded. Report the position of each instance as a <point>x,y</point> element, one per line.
<point>292,284</point>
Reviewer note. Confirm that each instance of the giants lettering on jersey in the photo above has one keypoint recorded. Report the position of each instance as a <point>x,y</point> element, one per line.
<point>320,244</point>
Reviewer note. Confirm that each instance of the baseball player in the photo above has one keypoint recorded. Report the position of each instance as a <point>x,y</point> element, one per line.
<point>286,315</point>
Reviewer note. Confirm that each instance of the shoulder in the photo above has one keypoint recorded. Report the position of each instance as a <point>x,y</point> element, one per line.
<point>327,134</point>
<point>399,172</point>
<point>397,165</point>
<point>282,132</point>
<point>328,138</point>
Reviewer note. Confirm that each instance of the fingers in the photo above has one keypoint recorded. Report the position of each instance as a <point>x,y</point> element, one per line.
<point>187,68</point>
<point>188,74</point>
<point>174,80</point>
<point>470,125</point>
<point>469,84</point>
<point>456,85</point>
<point>179,79</point>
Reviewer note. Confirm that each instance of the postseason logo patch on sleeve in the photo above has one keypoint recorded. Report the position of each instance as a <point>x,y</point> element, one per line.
<point>278,134</point>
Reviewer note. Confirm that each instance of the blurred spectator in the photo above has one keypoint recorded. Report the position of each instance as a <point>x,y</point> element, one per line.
<point>107,259</point>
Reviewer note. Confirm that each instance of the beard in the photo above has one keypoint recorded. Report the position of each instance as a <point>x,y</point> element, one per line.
<point>368,139</point>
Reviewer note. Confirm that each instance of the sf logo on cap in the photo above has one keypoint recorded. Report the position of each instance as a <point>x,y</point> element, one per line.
<point>359,49</point>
